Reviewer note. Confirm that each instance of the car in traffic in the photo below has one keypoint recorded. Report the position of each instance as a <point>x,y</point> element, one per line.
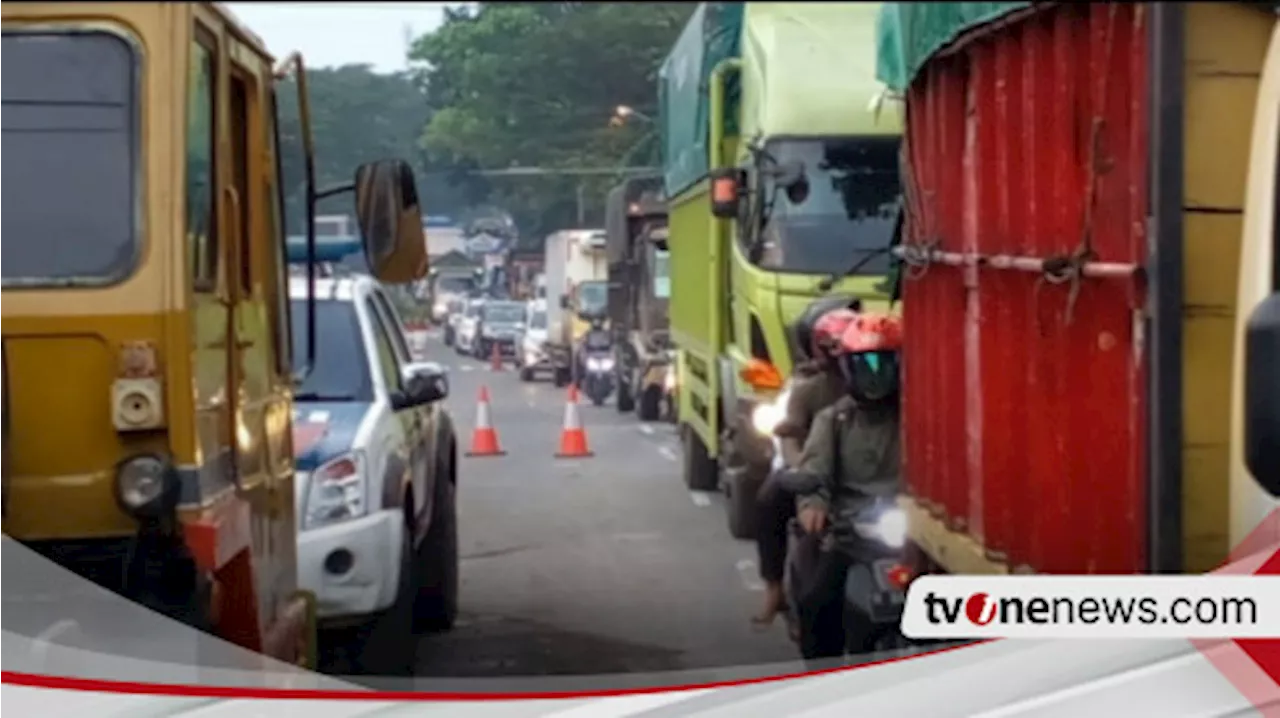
<point>375,479</point>
<point>532,355</point>
<point>500,324</point>
<point>468,327</point>
<point>453,314</point>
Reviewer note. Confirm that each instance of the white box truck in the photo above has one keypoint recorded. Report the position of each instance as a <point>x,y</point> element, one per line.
<point>577,292</point>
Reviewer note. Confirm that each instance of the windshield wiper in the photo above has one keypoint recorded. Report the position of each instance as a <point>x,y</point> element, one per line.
<point>319,396</point>
<point>830,281</point>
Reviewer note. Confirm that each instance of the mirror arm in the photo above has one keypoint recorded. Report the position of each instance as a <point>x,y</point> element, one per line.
<point>335,190</point>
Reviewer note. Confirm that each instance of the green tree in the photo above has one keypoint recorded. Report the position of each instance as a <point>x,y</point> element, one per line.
<point>357,115</point>
<point>534,84</point>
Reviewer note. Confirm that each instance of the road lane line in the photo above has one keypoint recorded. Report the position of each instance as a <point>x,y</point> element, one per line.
<point>750,575</point>
<point>701,499</point>
<point>668,453</point>
<point>646,429</point>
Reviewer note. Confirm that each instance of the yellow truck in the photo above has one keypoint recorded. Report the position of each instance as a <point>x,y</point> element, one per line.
<point>147,371</point>
<point>774,105</point>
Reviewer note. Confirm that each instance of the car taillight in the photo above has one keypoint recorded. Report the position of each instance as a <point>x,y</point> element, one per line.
<point>900,577</point>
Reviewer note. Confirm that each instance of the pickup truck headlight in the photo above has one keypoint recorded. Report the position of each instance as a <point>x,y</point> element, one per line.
<point>600,364</point>
<point>337,491</point>
<point>766,416</point>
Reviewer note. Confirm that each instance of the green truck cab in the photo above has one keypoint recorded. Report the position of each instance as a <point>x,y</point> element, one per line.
<point>776,106</point>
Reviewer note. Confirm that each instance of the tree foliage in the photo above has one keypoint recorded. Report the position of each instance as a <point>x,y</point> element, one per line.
<point>534,84</point>
<point>357,115</point>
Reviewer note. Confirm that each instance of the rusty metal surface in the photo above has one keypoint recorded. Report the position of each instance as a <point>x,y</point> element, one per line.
<point>1024,390</point>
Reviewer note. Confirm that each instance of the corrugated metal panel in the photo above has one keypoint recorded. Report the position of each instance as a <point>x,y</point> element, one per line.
<point>1024,397</point>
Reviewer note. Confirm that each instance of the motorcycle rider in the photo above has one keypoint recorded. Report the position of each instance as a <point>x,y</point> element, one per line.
<point>597,339</point>
<point>853,446</point>
<point>816,384</point>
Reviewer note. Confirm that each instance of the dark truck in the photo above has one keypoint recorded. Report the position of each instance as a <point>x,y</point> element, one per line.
<point>639,284</point>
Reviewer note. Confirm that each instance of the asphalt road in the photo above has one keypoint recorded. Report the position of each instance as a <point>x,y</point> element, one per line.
<point>600,565</point>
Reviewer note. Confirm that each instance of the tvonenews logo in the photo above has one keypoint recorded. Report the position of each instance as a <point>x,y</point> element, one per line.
<point>960,607</point>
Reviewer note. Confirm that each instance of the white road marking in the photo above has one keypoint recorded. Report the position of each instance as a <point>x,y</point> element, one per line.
<point>318,417</point>
<point>645,429</point>
<point>701,499</point>
<point>750,575</point>
<point>467,367</point>
<point>668,453</point>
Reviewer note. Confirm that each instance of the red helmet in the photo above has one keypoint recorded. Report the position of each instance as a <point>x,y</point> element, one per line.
<point>829,328</point>
<point>872,333</point>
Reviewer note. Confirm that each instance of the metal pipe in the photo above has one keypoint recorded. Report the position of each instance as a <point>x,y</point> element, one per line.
<point>1101,270</point>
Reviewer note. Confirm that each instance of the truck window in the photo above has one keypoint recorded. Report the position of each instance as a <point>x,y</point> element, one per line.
<point>849,211</point>
<point>592,297</point>
<point>70,143</point>
<point>202,220</point>
<point>661,275</point>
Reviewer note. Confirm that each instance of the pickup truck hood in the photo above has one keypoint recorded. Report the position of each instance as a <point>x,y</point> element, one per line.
<point>324,430</point>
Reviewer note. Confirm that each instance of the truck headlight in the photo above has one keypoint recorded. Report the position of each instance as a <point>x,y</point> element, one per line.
<point>440,308</point>
<point>891,528</point>
<point>766,416</point>
<point>337,491</point>
<point>147,486</point>
<point>600,363</point>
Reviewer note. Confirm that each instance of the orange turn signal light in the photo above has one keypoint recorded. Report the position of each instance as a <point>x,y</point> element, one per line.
<point>760,374</point>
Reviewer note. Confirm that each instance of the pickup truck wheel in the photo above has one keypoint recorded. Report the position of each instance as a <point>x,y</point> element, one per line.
<point>436,607</point>
<point>650,404</point>
<point>561,378</point>
<point>699,469</point>
<point>625,401</point>
<point>526,374</point>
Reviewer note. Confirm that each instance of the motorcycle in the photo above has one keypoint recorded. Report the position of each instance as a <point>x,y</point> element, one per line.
<point>598,377</point>
<point>873,535</point>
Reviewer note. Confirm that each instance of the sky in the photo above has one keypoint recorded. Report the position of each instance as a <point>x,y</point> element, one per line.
<point>338,33</point>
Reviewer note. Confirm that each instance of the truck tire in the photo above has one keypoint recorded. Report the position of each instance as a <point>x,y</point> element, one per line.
<point>740,503</point>
<point>561,378</point>
<point>436,606</point>
<point>650,404</point>
<point>526,374</point>
<point>699,469</point>
<point>448,336</point>
<point>625,401</point>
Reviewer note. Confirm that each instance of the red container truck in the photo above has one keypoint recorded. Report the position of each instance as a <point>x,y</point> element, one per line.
<point>1075,180</point>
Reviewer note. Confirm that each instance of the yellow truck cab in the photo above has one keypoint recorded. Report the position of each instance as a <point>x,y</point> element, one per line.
<point>147,372</point>
<point>775,106</point>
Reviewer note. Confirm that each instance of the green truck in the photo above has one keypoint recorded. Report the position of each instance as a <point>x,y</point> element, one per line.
<point>776,107</point>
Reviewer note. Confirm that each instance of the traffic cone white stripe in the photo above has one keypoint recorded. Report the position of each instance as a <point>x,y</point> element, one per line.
<point>482,415</point>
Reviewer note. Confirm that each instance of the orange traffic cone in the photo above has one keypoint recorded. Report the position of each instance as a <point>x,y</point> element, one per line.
<point>484,440</point>
<point>495,359</point>
<point>573,438</point>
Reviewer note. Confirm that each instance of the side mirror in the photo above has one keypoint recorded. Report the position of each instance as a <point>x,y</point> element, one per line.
<point>726,192</point>
<point>1262,394</point>
<point>423,382</point>
<point>390,218</point>
<point>564,301</point>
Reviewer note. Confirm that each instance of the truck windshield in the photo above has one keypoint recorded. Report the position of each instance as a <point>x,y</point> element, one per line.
<point>341,371</point>
<point>71,147</point>
<point>504,313</point>
<point>849,211</point>
<point>593,297</point>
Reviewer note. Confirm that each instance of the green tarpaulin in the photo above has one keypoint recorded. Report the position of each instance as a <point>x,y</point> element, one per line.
<point>713,34</point>
<point>909,33</point>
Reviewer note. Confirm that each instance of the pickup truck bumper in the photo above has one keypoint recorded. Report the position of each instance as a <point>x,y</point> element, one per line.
<point>353,567</point>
